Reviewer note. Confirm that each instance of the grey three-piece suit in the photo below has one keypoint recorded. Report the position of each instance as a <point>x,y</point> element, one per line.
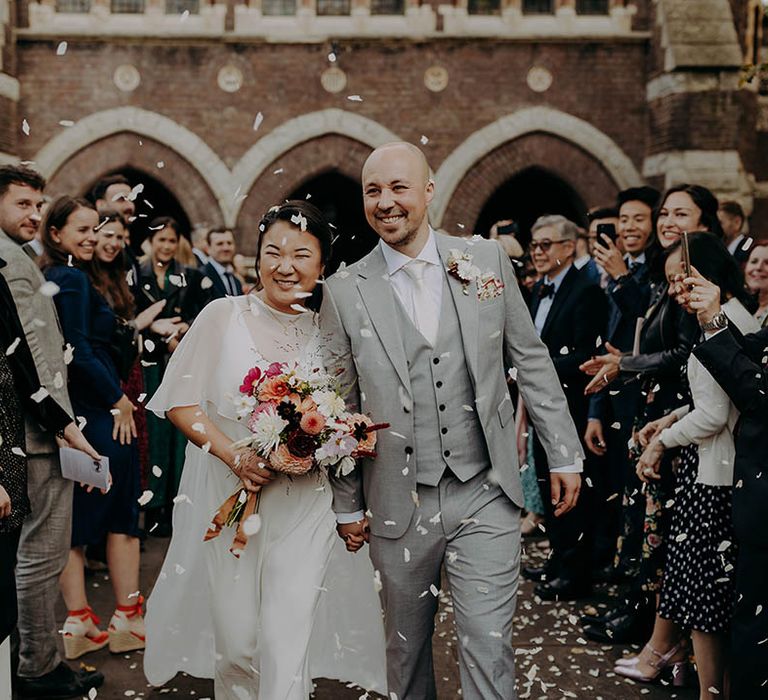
<point>445,487</point>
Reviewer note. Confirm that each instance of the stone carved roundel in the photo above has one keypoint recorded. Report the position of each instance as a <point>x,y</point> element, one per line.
<point>333,79</point>
<point>126,77</point>
<point>230,78</point>
<point>539,79</point>
<point>436,78</point>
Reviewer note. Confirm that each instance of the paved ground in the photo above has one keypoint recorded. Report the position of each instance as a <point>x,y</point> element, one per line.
<point>553,660</point>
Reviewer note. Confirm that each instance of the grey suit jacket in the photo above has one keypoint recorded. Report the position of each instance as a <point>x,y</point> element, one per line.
<point>363,345</point>
<point>41,327</point>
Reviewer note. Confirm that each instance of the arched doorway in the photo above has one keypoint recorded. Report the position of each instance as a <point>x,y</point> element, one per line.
<point>154,200</point>
<point>527,195</point>
<point>340,198</point>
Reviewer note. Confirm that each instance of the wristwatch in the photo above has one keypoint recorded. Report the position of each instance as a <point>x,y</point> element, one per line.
<point>718,322</point>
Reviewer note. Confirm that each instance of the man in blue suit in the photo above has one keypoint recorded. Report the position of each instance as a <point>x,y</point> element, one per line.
<point>221,251</point>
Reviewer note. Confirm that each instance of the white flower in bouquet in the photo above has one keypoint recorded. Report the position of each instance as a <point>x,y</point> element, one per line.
<point>244,405</point>
<point>329,403</point>
<point>339,446</point>
<point>266,429</point>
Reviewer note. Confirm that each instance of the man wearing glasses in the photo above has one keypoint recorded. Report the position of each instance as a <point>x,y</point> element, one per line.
<point>569,312</point>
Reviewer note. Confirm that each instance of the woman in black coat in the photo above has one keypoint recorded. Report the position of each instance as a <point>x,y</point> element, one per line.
<point>186,291</point>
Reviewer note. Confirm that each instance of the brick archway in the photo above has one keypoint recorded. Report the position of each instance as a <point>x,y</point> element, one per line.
<point>291,170</point>
<point>586,175</point>
<point>127,150</point>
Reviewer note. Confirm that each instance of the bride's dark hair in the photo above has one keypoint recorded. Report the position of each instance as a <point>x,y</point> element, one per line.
<point>292,211</point>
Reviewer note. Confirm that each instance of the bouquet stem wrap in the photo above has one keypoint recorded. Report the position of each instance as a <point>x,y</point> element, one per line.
<point>233,511</point>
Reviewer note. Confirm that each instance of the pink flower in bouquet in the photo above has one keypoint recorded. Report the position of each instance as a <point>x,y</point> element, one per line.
<point>273,389</point>
<point>251,381</point>
<point>284,462</point>
<point>275,369</point>
<point>312,422</point>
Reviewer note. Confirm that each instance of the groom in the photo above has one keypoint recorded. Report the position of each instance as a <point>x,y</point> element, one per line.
<point>423,332</point>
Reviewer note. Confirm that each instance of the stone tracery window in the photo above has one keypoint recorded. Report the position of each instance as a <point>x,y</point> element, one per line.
<point>334,7</point>
<point>387,7</point>
<point>484,7</point>
<point>127,6</point>
<point>538,7</point>
<point>278,7</point>
<point>592,7</point>
<point>177,7</point>
<point>73,6</point>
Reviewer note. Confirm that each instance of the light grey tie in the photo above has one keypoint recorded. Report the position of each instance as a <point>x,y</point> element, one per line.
<point>425,313</point>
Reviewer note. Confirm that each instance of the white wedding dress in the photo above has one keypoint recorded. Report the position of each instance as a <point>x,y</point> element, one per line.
<point>295,605</point>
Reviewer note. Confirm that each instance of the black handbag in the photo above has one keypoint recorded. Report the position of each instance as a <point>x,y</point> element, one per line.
<point>124,348</point>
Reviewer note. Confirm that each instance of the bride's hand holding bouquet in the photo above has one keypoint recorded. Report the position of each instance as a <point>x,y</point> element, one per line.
<point>298,422</point>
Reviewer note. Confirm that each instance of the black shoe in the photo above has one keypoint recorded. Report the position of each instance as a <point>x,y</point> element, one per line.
<point>535,573</point>
<point>59,684</point>
<point>610,574</point>
<point>602,618</point>
<point>629,628</point>
<point>562,589</point>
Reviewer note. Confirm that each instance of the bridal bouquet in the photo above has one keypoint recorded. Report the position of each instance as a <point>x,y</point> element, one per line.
<point>298,422</point>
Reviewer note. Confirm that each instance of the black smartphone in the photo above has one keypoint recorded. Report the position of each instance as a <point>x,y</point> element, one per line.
<point>686,254</point>
<point>507,229</point>
<point>607,230</point>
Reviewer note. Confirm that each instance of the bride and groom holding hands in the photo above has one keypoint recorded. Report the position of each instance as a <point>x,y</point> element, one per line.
<point>421,333</point>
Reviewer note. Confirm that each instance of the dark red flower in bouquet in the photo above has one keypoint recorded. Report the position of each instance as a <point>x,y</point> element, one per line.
<point>300,444</point>
<point>274,369</point>
<point>251,381</point>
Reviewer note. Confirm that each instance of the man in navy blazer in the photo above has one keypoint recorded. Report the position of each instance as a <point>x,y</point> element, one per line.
<point>569,312</point>
<point>221,251</point>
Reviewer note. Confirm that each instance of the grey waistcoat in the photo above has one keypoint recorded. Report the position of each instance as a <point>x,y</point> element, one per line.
<point>446,427</point>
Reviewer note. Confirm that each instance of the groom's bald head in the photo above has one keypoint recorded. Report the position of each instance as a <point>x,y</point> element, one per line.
<point>406,153</point>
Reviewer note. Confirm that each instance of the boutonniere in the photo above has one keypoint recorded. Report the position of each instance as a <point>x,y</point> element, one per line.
<point>461,267</point>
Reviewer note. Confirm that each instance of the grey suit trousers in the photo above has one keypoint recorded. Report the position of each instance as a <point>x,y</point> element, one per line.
<point>46,538</point>
<point>474,530</point>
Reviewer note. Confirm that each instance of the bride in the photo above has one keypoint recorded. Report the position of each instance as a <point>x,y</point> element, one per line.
<point>295,605</point>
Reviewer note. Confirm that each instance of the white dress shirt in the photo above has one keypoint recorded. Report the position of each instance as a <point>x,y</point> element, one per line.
<point>733,246</point>
<point>402,282</point>
<point>546,304</point>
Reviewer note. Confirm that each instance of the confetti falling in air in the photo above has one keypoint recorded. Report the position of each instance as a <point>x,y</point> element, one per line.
<point>354,98</point>
<point>25,127</point>
<point>61,49</point>
<point>257,121</point>
<point>13,346</point>
<point>145,498</point>
<point>49,289</point>
<point>424,140</point>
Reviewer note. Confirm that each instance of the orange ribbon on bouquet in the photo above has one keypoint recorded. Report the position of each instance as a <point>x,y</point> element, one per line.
<point>224,514</point>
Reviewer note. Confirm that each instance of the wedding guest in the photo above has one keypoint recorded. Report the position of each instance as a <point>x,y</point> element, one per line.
<point>569,312</point>
<point>186,291</point>
<point>611,415</point>
<point>583,259</point>
<point>738,364</point>
<point>732,220</point>
<point>505,232</point>
<point>756,274</point>
<point>199,238</point>
<point>88,323</point>
<point>219,268</point>
<point>108,276</point>
<point>697,591</point>
<point>596,217</point>
<point>114,193</point>
<point>184,253</point>
<point>666,338</point>
<point>19,383</point>
<point>45,534</point>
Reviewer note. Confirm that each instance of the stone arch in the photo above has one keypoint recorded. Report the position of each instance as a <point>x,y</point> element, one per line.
<point>530,120</point>
<point>269,149</point>
<point>293,168</point>
<point>122,150</point>
<point>587,176</point>
<point>164,131</point>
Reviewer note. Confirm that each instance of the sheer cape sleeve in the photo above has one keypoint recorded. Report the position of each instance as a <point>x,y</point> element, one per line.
<point>196,374</point>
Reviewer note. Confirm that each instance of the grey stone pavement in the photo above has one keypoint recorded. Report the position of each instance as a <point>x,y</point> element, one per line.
<point>553,659</point>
